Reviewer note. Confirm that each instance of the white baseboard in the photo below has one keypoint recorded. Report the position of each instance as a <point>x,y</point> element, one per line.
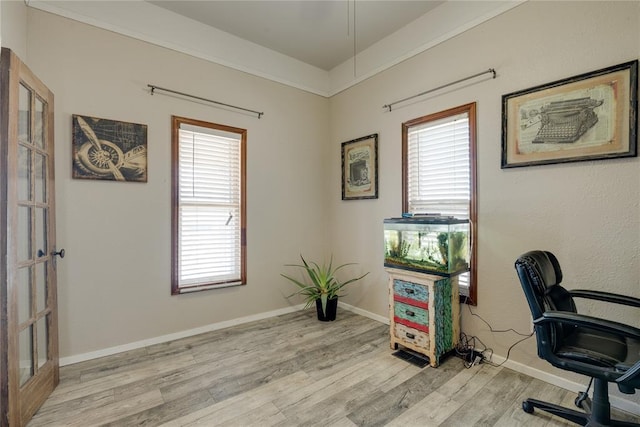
<point>364,313</point>
<point>69,360</point>
<point>616,401</point>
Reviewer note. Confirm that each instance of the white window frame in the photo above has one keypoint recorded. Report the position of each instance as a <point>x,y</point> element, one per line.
<point>453,202</point>
<point>208,209</point>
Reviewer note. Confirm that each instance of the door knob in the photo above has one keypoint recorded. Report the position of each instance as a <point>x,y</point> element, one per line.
<point>60,253</point>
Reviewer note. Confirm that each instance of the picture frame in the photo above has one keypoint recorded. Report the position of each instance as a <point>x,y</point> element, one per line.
<point>591,116</point>
<point>360,168</point>
<point>110,150</point>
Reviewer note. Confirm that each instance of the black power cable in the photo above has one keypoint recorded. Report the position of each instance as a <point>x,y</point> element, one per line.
<point>467,348</point>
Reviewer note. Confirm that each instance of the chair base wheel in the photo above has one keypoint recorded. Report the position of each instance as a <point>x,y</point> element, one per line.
<point>582,396</point>
<point>587,418</point>
<point>527,407</point>
<point>580,418</point>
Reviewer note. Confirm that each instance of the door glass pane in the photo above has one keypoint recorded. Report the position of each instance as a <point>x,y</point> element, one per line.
<point>24,233</point>
<point>42,329</point>
<point>41,286</point>
<point>24,114</point>
<point>38,137</point>
<point>24,173</point>
<point>25,354</point>
<point>41,174</point>
<point>41,232</point>
<point>24,294</point>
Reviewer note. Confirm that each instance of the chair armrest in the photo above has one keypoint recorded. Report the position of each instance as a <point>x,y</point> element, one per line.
<point>570,318</point>
<point>606,296</point>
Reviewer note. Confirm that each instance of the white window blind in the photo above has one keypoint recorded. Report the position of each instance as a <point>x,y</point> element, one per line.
<point>209,199</point>
<point>439,175</point>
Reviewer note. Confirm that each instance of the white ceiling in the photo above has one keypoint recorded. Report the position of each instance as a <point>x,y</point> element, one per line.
<point>318,32</point>
<point>306,44</point>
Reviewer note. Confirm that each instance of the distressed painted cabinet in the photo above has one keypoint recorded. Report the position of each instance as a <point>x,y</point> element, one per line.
<point>423,313</point>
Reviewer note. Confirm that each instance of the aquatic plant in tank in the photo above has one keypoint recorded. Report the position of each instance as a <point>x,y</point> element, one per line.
<point>433,245</point>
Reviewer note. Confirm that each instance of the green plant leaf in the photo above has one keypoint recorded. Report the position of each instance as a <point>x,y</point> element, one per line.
<point>323,301</point>
<point>323,283</point>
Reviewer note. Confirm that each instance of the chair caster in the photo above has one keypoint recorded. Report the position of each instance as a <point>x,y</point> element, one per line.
<point>582,396</point>
<point>527,407</point>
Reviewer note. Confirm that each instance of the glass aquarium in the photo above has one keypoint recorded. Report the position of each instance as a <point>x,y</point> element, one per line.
<point>427,244</point>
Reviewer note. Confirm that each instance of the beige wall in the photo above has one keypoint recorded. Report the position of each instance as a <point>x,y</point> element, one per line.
<point>114,283</point>
<point>13,26</point>
<point>587,213</point>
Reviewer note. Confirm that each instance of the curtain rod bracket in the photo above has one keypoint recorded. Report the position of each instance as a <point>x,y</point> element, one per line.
<point>490,70</point>
<point>154,87</point>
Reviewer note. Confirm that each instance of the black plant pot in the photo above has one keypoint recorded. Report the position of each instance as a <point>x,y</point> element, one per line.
<point>332,308</point>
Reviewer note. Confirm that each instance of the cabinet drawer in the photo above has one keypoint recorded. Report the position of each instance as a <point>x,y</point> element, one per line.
<point>410,291</point>
<point>411,313</point>
<point>412,336</point>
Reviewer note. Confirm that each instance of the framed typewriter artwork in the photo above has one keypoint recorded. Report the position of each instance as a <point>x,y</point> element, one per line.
<point>587,117</point>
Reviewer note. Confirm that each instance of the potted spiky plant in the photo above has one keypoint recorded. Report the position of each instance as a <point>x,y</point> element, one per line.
<point>324,288</point>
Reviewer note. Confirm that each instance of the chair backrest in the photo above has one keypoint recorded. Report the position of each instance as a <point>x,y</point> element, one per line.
<point>540,276</point>
<point>565,345</point>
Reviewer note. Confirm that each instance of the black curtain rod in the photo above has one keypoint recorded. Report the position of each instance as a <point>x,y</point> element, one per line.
<point>154,88</point>
<point>490,70</point>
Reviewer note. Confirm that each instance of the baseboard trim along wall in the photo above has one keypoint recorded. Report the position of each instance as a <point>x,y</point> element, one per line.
<point>617,402</point>
<point>364,313</point>
<point>69,360</point>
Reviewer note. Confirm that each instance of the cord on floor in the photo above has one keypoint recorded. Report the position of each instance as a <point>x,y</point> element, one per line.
<point>468,349</point>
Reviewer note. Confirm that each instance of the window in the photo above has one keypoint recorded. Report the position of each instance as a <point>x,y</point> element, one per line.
<point>439,173</point>
<point>208,207</point>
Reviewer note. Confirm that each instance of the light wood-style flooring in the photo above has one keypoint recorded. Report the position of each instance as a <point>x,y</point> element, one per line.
<point>290,370</point>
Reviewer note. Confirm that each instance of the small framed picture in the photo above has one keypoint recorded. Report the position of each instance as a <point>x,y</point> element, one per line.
<point>109,150</point>
<point>360,168</point>
<point>586,117</point>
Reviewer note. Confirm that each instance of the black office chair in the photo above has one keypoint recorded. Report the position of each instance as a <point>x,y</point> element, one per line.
<point>604,350</point>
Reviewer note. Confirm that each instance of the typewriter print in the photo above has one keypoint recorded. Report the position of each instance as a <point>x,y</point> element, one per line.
<point>564,121</point>
<point>587,117</point>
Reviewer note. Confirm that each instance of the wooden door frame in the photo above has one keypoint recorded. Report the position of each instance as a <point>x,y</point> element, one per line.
<point>4,184</point>
<point>12,411</point>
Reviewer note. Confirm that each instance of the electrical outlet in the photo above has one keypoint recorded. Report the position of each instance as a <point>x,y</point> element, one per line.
<point>477,358</point>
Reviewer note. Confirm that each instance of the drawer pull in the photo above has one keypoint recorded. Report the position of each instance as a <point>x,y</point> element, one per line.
<point>410,313</point>
<point>410,291</point>
<point>410,336</point>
